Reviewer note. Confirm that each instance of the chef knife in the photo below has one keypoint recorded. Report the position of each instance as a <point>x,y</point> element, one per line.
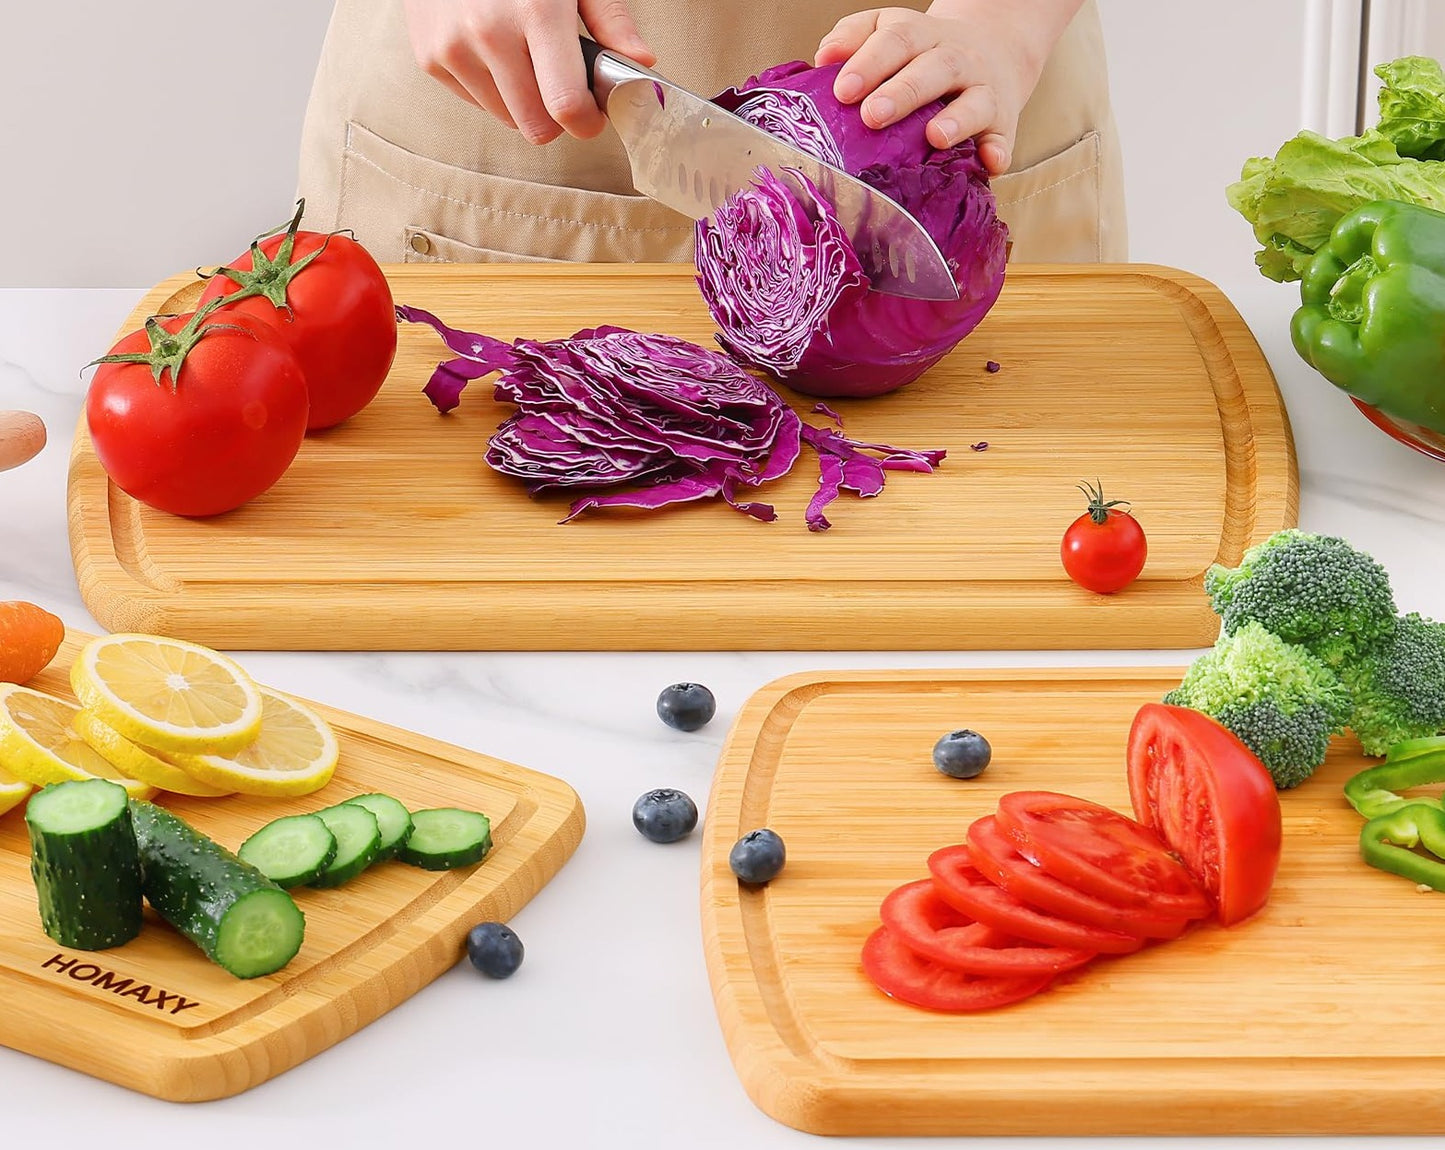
<point>689,154</point>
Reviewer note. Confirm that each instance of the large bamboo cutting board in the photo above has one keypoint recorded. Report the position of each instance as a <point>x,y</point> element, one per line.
<point>390,532</point>
<point>155,1016</point>
<point>1317,1016</point>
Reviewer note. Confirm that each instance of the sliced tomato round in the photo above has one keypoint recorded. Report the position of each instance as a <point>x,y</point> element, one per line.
<point>900,973</point>
<point>962,885</point>
<point>1100,852</point>
<point>1211,799</point>
<point>932,929</point>
<point>993,853</point>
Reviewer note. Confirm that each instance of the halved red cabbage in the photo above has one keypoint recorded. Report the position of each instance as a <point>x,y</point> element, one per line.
<point>779,274</point>
<point>665,420</point>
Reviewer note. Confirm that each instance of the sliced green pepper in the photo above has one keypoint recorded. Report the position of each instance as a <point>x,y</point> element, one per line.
<point>1416,763</point>
<point>1372,314</point>
<point>1387,841</point>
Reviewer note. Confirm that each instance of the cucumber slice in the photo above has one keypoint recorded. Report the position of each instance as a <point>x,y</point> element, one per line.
<point>392,818</point>
<point>292,850</point>
<point>446,837</point>
<point>85,863</point>
<point>358,838</point>
<point>241,920</point>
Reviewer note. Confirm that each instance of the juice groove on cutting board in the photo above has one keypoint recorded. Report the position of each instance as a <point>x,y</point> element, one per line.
<point>1270,1027</point>
<point>156,1017</point>
<point>390,532</point>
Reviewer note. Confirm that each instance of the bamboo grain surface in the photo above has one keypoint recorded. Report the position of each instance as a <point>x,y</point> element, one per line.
<point>1313,1017</point>
<point>155,1016</point>
<point>390,532</point>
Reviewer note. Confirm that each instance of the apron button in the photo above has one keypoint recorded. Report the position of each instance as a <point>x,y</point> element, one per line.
<point>420,244</point>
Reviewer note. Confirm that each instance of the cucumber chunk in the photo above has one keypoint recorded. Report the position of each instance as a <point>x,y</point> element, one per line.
<point>241,920</point>
<point>446,837</point>
<point>85,863</point>
<point>358,838</point>
<point>393,819</point>
<point>292,850</point>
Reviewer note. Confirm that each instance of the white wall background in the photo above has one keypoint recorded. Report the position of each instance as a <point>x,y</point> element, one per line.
<point>140,139</point>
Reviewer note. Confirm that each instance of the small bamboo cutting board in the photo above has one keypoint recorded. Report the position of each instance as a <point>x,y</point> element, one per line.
<point>155,1016</point>
<point>1317,1016</point>
<point>390,531</point>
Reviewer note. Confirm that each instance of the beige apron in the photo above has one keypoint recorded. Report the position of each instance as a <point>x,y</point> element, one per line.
<point>422,176</point>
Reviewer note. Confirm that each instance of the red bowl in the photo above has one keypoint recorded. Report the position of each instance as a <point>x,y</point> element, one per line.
<point>1422,439</point>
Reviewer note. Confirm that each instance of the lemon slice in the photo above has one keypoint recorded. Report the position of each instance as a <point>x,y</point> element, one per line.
<point>168,694</point>
<point>13,792</point>
<point>294,754</point>
<point>38,745</point>
<point>134,760</point>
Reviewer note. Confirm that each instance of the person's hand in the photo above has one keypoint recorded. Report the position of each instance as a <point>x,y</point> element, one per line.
<point>984,54</point>
<point>520,59</point>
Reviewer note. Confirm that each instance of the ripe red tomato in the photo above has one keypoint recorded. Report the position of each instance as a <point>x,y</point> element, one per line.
<point>1104,549</point>
<point>332,304</point>
<point>993,853</point>
<point>961,885</point>
<point>1211,800</point>
<point>932,929</point>
<point>1100,852</point>
<point>210,438</point>
<point>901,974</point>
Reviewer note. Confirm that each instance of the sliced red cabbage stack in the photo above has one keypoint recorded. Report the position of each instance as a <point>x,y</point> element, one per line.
<point>663,420</point>
<point>780,275</point>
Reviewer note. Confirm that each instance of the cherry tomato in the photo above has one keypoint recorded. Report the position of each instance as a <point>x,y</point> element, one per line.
<point>993,853</point>
<point>210,437</point>
<point>1100,852</point>
<point>1211,800</point>
<point>901,974</point>
<point>1104,549</point>
<point>932,929</point>
<point>961,885</point>
<point>338,315</point>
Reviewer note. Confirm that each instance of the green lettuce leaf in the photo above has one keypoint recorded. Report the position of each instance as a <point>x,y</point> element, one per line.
<point>1412,106</point>
<point>1294,200</point>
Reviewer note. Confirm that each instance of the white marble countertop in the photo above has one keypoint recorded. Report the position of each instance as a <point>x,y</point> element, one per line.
<point>607,1035</point>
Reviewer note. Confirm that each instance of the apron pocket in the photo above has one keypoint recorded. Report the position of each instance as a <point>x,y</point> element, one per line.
<point>1052,207</point>
<point>405,207</point>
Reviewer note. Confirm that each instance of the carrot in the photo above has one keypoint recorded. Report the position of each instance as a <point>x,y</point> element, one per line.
<point>29,638</point>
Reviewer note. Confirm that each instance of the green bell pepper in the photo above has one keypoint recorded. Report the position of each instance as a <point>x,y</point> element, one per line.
<point>1386,843</point>
<point>1372,314</point>
<point>1396,824</point>
<point>1415,763</point>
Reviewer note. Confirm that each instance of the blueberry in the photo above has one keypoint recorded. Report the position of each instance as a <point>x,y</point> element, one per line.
<point>494,949</point>
<point>686,706</point>
<point>962,754</point>
<point>664,815</point>
<point>757,857</point>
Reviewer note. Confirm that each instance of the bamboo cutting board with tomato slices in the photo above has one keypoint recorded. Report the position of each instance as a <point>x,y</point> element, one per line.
<point>155,1016</point>
<point>1315,1016</point>
<point>390,532</point>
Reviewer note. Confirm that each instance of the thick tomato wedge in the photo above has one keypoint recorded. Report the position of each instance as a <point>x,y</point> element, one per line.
<point>1207,795</point>
<point>961,885</point>
<point>1100,852</point>
<point>901,974</point>
<point>992,853</point>
<point>932,929</point>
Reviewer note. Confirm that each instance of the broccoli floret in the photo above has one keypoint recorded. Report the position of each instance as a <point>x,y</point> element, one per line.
<point>1314,590</point>
<point>1399,688</point>
<point>1283,703</point>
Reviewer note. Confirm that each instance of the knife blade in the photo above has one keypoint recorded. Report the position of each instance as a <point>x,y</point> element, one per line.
<point>690,154</point>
